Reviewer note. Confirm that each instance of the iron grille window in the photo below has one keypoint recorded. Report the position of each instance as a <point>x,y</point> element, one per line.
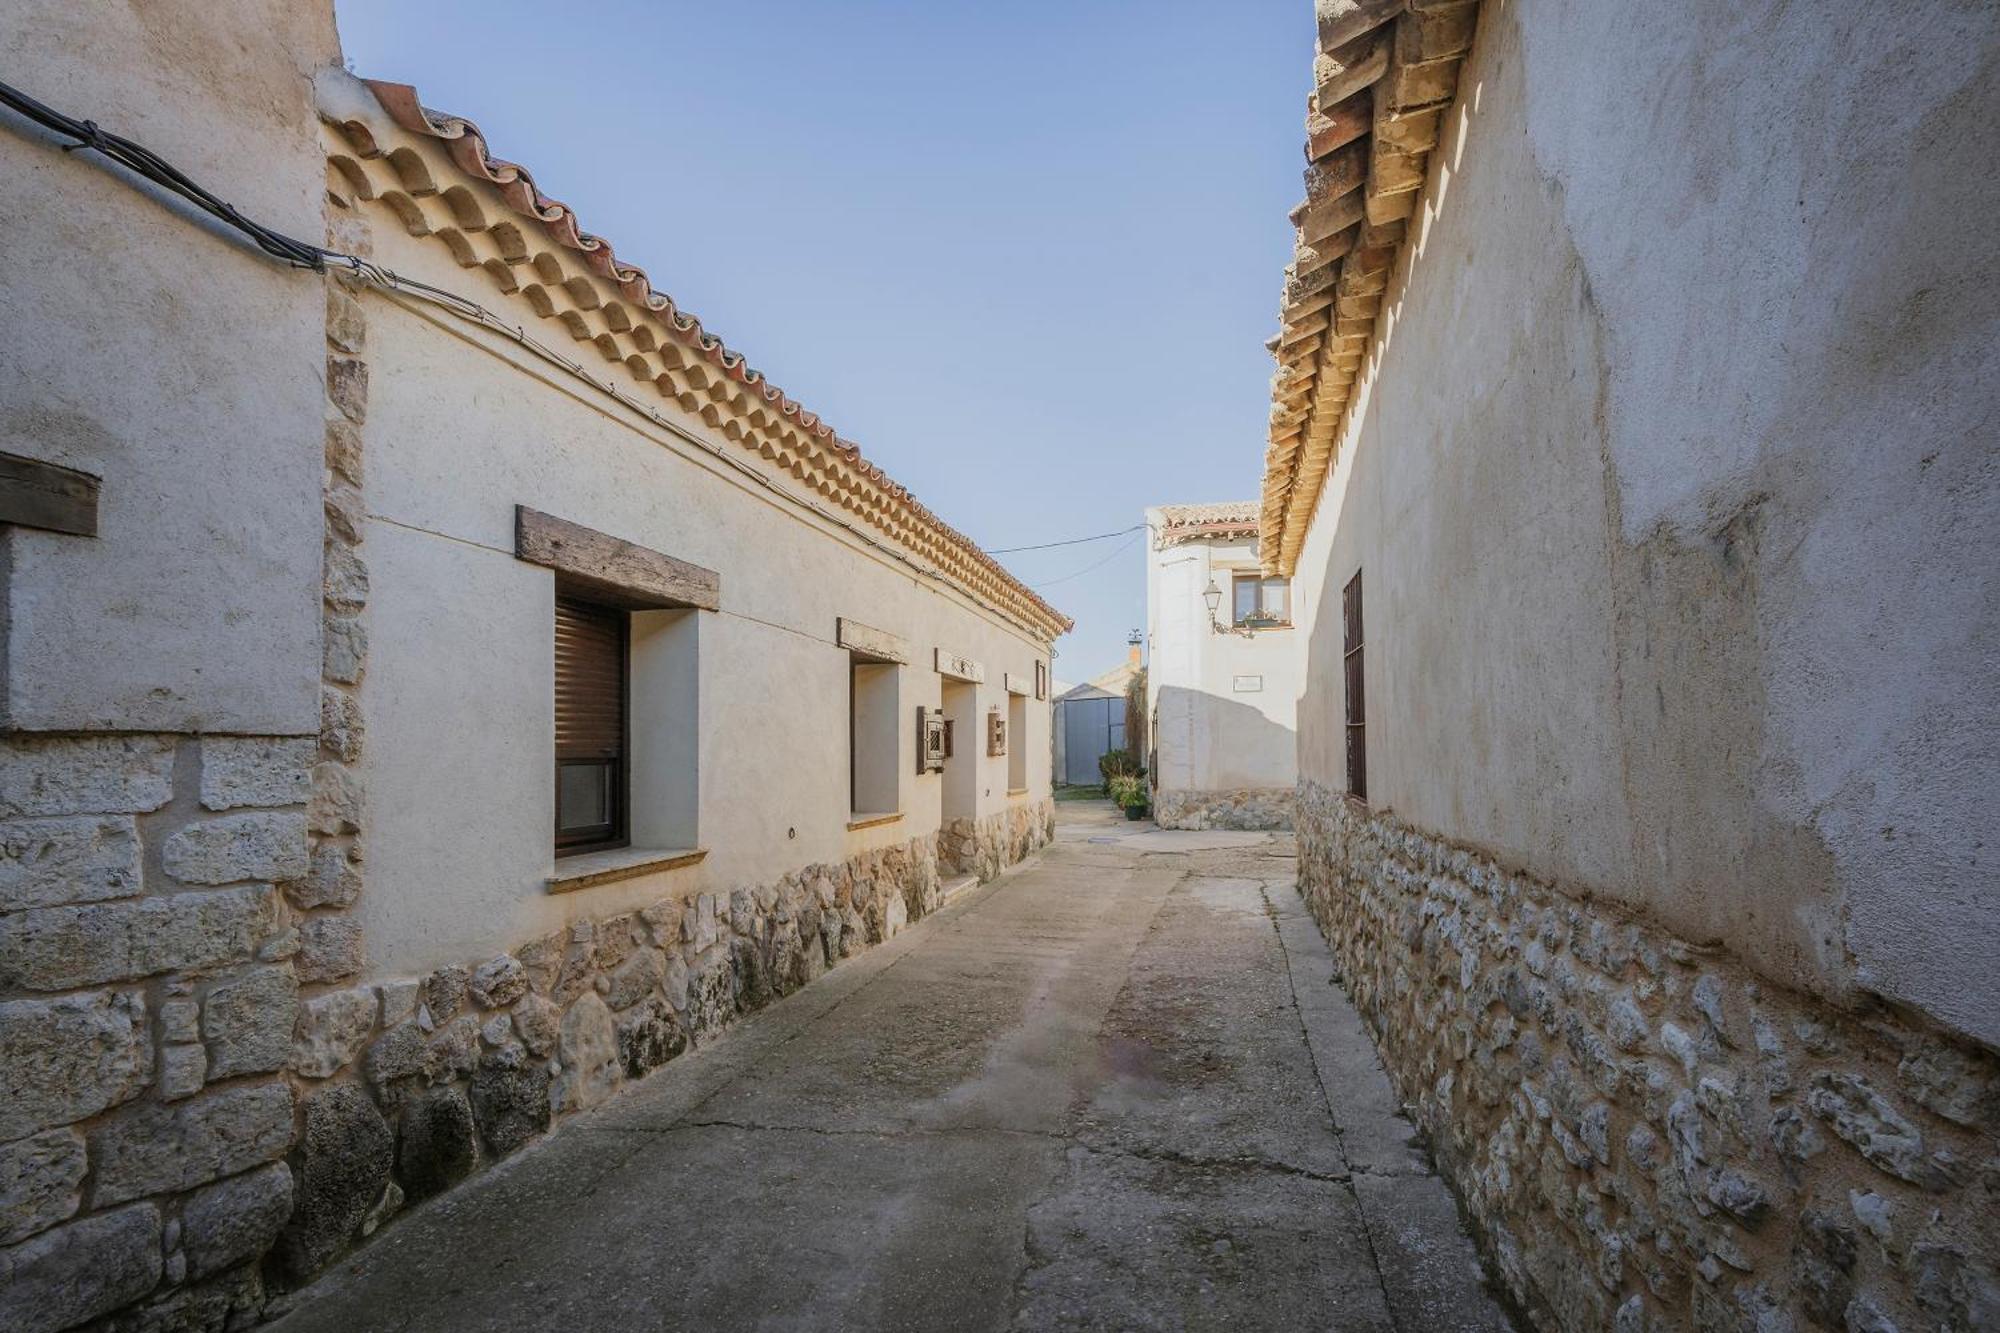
<point>1357,702</point>
<point>1260,602</point>
<point>591,742</point>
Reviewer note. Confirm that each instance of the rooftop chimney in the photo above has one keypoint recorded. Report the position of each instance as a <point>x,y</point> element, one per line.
<point>1132,642</point>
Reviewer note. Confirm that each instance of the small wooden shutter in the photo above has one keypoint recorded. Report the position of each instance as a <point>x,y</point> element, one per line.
<point>590,715</point>
<point>1357,701</point>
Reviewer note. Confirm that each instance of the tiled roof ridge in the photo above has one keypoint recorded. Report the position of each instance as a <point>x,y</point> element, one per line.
<point>467,147</point>
<point>1214,511</point>
<point>1385,72</point>
<point>1220,518</point>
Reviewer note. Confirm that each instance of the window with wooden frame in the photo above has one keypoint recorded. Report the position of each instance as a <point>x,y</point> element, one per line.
<point>592,727</point>
<point>1357,699</point>
<point>1258,602</point>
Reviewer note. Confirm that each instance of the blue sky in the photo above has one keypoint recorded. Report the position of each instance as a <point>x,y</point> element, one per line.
<point>1024,255</point>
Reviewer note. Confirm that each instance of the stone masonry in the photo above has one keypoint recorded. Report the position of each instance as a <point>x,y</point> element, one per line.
<point>986,846</point>
<point>1646,1134</point>
<point>1258,808</point>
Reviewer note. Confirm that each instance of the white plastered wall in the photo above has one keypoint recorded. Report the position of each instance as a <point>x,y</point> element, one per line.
<point>1674,492</point>
<point>143,345</point>
<point>1225,703</point>
<point>458,694</point>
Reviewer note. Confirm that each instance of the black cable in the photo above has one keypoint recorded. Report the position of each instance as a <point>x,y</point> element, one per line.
<point>1073,541</point>
<point>145,163</point>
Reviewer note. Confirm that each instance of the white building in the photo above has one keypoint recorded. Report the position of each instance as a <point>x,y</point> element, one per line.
<point>439,686</point>
<point>1223,673</point>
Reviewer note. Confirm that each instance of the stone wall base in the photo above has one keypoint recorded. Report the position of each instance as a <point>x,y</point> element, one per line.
<point>1238,808</point>
<point>988,845</point>
<point>1645,1133</point>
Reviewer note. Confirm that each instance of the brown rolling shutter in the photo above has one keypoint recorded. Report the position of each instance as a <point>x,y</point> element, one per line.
<point>590,724</point>
<point>590,681</point>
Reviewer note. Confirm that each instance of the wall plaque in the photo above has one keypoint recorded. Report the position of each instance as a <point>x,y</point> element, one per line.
<point>996,733</point>
<point>1041,679</point>
<point>1247,684</point>
<point>959,668</point>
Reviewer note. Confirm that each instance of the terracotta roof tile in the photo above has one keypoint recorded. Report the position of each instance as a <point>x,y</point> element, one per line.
<point>1384,72</point>
<point>859,485</point>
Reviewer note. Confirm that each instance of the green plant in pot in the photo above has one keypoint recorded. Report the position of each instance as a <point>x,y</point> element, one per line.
<point>1128,791</point>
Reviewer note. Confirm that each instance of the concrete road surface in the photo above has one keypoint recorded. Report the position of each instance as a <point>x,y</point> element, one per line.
<point>1115,1089</point>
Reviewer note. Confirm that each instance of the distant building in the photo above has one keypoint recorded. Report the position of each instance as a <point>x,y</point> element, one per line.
<point>1090,722</point>
<point>1222,679</point>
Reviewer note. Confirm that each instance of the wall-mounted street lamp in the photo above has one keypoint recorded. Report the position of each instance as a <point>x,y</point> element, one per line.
<point>1213,596</point>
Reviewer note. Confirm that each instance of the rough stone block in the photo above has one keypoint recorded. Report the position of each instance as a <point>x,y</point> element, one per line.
<point>235,1219</point>
<point>56,948</point>
<point>330,948</point>
<point>648,1037</point>
<point>1875,1129</point>
<point>399,1001</point>
<point>333,881</point>
<point>589,1048</point>
<point>82,859</point>
<point>638,978</point>
<point>499,983</point>
<point>262,845</point>
<point>39,1178</point>
<point>398,1053</point>
<point>510,1100</point>
<point>538,1022</point>
<point>76,1272</point>
<point>343,1164</point>
<point>248,1022</point>
<point>440,994</point>
<point>336,800</point>
<point>64,1059</point>
<point>440,1144</point>
<point>343,649</point>
<point>343,450</point>
<point>85,775</point>
<point>256,770</point>
<point>341,729</point>
<point>180,1020</point>
<point>183,1071</point>
<point>154,1149</point>
<point>332,1029</point>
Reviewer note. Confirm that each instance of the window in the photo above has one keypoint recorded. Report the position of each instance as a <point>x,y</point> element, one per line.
<point>1357,703</point>
<point>591,732</point>
<point>873,713</point>
<point>1262,602</point>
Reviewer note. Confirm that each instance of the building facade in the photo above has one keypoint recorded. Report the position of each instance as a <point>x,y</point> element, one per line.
<point>442,687</point>
<point>1222,674</point>
<point>1637,472</point>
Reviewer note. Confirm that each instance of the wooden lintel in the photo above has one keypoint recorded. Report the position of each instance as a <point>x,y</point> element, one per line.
<point>616,571</point>
<point>35,494</point>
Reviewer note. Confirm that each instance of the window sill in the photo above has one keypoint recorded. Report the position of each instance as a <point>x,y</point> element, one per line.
<point>593,868</point>
<point>1017,791</point>
<point>861,821</point>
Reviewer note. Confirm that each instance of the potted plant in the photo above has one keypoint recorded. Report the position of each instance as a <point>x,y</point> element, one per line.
<point>1128,791</point>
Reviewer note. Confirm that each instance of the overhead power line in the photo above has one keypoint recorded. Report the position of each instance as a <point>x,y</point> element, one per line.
<point>1121,548</point>
<point>1073,541</point>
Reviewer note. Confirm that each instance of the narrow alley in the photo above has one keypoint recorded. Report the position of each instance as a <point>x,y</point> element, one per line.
<point>1112,1089</point>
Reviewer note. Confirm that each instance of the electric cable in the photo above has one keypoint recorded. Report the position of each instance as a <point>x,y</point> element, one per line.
<point>1073,541</point>
<point>148,165</point>
<point>1120,550</point>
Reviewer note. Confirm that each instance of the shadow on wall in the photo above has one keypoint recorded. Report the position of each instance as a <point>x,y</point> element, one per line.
<point>1214,742</point>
